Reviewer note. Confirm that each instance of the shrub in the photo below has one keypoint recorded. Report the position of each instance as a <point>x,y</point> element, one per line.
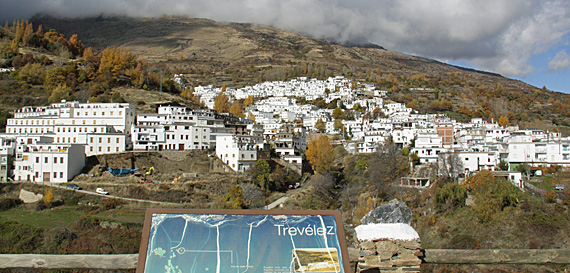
<point>491,198</point>
<point>550,196</point>
<point>8,203</point>
<point>450,196</point>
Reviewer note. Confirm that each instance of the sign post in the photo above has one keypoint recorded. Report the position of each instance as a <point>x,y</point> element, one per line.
<point>256,241</point>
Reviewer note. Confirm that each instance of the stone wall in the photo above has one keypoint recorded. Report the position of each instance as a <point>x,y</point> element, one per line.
<point>393,247</point>
<point>389,256</point>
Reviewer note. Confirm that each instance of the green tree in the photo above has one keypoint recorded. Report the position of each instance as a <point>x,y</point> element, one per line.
<point>235,198</point>
<point>61,92</point>
<point>503,165</point>
<point>450,196</point>
<point>32,73</point>
<point>261,172</point>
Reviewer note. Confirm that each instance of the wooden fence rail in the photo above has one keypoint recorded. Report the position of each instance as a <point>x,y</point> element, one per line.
<point>496,256</point>
<point>44,261</point>
<point>431,256</point>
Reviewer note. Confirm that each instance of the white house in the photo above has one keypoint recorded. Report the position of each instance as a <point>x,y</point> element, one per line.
<point>48,162</point>
<point>237,152</point>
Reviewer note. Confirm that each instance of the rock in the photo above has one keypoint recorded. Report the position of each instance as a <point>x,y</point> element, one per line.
<point>30,197</point>
<point>111,225</point>
<point>395,211</point>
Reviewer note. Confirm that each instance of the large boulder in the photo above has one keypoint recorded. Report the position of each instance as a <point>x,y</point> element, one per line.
<point>30,197</point>
<point>394,212</point>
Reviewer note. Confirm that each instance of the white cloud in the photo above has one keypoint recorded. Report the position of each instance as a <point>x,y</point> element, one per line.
<point>560,62</point>
<point>500,36</point>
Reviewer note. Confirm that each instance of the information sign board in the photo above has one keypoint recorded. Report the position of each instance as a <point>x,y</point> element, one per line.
<point>253,241</point>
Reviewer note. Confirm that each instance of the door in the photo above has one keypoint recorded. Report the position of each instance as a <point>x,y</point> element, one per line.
<point>46,176</point>
<point>181,147</point>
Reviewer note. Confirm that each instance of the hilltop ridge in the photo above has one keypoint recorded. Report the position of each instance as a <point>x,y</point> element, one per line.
<point>237,55</point>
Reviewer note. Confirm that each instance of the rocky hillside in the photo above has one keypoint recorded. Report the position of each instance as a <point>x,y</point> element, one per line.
<point>210,52</point>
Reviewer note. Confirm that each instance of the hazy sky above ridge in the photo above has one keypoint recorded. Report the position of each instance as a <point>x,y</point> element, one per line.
<point>523,39</point>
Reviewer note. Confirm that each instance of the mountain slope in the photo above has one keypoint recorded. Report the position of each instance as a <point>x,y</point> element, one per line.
<point>243,54</point>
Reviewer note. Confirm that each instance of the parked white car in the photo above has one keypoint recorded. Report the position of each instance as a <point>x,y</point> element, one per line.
<point>101,191</point>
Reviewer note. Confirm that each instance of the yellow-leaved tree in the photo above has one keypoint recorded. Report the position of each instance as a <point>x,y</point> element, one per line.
<point>320,153</point>
<point>221,103</point>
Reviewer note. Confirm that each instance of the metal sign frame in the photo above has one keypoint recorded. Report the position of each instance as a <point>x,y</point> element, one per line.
<point>344,262</point>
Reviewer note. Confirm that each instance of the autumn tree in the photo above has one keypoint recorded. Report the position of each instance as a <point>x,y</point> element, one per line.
<point>251,117</point>
<point>320,153</point>
<point>237,109</point>
<point>248,101</point>
<point>221,103</point>
<point>503,121</point>
<point>338,125</point>
<point>338,113</point>
<point>48,195</point>
<point>320,125</point>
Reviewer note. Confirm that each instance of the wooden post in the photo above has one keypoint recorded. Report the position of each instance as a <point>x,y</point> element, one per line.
<point>496,256</point>
<point>44,261</point>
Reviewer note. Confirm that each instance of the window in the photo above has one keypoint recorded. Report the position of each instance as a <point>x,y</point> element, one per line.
<point>117,140</point>
<point>100,140</point>
<point>108,140</point>
<point>37,160</point>
<point>117,149</point>
<point>108,149</point>
<point>61,160</point>
<point>46,160</point>
<point>91,149</point>
<point>74,140</point>
<point>60,174</point>
<point>54,175</point>
<point>99,149</point>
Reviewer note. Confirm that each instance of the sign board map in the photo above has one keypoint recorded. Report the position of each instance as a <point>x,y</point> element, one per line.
<point>253,241</point>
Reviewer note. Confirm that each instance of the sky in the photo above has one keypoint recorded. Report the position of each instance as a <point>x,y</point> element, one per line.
<point>527,40</point>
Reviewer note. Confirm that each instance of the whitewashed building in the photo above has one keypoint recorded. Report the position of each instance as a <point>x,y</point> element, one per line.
<point>48,162</point>
<point>237,152</point>
<point>101,127</point>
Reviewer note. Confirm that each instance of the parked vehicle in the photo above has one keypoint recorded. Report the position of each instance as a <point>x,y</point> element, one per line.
<point>101,191</point>
<point>73,186</point>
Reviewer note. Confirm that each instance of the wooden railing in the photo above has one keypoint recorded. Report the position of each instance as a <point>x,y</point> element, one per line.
<point>431,256</point>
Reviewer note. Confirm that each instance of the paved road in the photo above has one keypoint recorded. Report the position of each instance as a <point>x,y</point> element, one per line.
<point>65,187</point>
<point>277,202</point>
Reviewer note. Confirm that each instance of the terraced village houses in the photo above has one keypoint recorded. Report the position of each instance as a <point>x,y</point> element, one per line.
<point>50,143</point>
